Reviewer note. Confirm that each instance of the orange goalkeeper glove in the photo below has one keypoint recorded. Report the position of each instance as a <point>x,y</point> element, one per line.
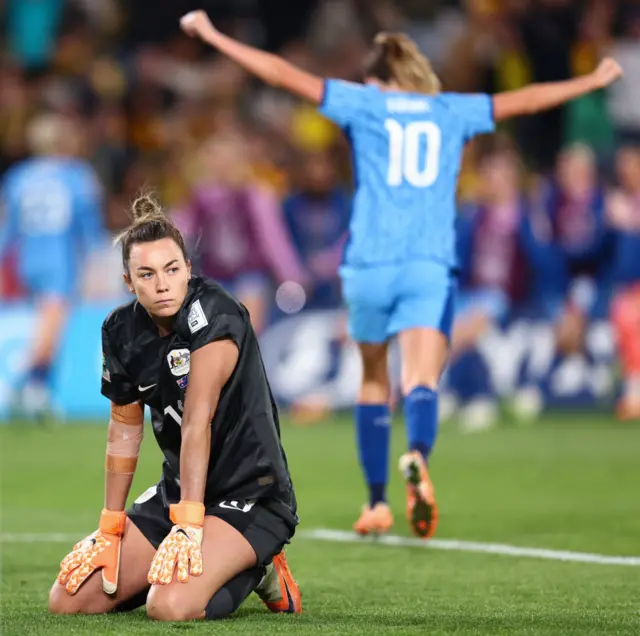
<point>181,547</point>
<point>99,550</point>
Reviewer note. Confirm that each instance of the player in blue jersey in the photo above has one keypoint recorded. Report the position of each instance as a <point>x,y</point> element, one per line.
<point>52,218</point>
<point>399,271</point>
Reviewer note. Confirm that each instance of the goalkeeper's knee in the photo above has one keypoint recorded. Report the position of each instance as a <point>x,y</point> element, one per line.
<point>89,600</point>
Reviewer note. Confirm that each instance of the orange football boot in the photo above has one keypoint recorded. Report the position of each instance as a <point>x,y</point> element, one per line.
<point>422,511</point>
<point>279,590</point>
<point>376,520</point>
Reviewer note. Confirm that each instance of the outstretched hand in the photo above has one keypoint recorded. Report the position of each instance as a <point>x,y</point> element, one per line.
<point>608,71</point>
<point>197,24</point>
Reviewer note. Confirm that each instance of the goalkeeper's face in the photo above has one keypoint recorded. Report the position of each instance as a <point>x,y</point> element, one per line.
<point>159,276</point>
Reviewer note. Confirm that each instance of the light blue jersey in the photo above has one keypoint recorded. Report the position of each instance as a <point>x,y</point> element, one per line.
<point>406,152</point>
<point>52,209</point>
<point>398,270</point>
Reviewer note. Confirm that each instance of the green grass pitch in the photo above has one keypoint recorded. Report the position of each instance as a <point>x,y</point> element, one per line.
<point>570,483</point>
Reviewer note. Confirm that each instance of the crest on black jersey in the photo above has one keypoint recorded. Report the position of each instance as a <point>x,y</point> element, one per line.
<point>179,361</point>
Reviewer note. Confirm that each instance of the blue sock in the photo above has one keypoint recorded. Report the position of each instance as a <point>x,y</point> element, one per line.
<point>39,373</point>
<point>421,417</point>
<point>373,429</point>
<point>35,375</point>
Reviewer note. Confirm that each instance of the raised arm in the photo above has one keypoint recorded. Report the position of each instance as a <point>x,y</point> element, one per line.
<point>270,68</point>
<point>537,97</point>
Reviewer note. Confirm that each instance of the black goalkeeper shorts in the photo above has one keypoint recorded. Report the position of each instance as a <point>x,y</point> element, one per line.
<point>259,522</point>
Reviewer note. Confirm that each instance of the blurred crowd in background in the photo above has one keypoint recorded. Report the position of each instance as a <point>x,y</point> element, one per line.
<point>261,184</point>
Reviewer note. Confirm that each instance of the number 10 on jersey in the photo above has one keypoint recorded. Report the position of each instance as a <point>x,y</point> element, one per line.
<point>405,144</point>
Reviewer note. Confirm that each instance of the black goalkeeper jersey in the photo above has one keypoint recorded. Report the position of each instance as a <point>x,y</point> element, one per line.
<point>246,460</point>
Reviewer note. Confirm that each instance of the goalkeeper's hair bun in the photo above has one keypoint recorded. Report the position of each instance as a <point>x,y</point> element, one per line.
<point>146,207</point>
<point>150,223</point>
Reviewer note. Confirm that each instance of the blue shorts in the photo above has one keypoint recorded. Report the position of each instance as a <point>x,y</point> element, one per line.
<point>383,301</point>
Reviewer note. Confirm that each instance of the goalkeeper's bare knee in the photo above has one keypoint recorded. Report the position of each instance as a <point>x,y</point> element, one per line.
<point>90,599</point>
<point>172,604</point>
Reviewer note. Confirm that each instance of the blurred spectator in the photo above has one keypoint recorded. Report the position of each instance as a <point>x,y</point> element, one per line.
<point>493,275</point>
<point>549,30</point>
<point>317,215</point>
<point>625,95</point>
<point>267,167</point>
<point>494,271</point>
<point>32,30</point>
<point>236,229</point>
<point>16,108</point>
<point>570,247</point>
<point>587,119</point>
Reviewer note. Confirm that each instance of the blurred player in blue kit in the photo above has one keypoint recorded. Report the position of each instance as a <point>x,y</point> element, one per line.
<point>399,274</point>
<point>52,207</point>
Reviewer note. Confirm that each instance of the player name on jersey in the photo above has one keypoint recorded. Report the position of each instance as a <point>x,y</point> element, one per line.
<point>407,105</point>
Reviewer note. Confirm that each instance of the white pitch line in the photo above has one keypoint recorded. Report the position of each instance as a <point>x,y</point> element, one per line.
<point>468,546</point>
<point>54,537</point>
<point>340,536</point>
